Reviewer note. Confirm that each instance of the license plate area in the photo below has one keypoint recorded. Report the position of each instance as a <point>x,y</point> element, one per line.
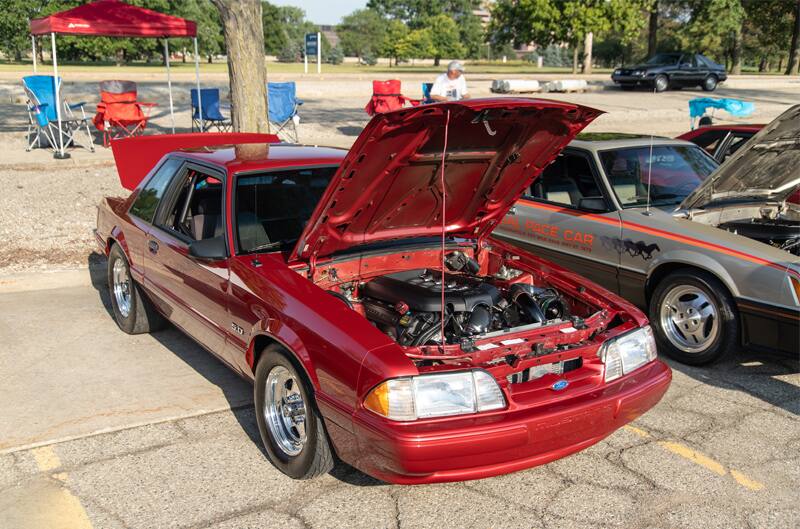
<point>538,371</point>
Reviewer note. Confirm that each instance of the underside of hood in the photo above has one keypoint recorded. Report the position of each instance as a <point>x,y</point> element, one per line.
<point>767,167</point>
<point>389,185</point>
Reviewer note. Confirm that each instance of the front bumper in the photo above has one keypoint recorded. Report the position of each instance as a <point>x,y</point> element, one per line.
<point>632,79</point>
<point>458,449</point>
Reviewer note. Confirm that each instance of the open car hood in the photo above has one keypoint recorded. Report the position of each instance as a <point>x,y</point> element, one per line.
<point>766,168</point>
<point>389,184</point>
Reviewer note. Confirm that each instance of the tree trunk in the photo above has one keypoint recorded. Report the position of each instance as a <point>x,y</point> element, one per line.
<point>792,65</point>
<point>780,63</point>
<point>436,60</point>
<point>652,32</point>
<point>575,59</point>
<point>736,51</point>
<point>587,53</point>
<point>247,71</point>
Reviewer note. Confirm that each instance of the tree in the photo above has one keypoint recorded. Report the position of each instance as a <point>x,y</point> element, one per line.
<point>792,65</point>
<point>392,46</point>
<point>444,37</point>
<point>247,71</point>
<point>418,44</point>
<point>361,32</point>
<point>652,31</point>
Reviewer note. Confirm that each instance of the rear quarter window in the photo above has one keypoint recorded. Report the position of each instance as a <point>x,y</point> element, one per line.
<point>149,197</point>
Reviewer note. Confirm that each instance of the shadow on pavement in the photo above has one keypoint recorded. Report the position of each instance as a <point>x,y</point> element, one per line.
<point>753,373</point>
<point>237,392</point>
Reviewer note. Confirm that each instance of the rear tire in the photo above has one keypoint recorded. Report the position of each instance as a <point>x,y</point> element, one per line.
<point>133,312</point>
<point>289,421</point>
<point>710,83</point>
<point>694,317</point>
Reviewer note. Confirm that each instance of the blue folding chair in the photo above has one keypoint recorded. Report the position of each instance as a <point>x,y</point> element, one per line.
<point>212,113</point>
<point>283,105</point>
<point>426,93</point>
<point>43,119</point>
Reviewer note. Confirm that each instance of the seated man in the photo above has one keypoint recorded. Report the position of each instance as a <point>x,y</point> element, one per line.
<point>450,86</point>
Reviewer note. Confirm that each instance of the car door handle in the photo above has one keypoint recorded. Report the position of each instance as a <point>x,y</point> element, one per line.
<point>153,247</point>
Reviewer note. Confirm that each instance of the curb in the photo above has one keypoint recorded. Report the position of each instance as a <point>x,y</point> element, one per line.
<point>49,280</point>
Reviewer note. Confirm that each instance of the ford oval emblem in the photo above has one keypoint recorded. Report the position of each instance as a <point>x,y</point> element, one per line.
<point>559,385</point>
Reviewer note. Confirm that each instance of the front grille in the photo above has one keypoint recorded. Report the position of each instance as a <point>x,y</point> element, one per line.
<point>535,372</point>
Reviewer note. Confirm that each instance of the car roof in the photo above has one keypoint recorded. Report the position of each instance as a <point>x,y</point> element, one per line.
<point>601,141</point>
<point>276,155</point>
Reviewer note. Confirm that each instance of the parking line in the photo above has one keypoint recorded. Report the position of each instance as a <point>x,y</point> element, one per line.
<point>700,459</point>
<point>65,509</point>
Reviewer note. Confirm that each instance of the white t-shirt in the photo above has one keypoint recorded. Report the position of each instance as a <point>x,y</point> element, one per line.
<point>452,89</point>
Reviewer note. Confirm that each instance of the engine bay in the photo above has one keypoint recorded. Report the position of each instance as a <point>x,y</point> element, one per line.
<point>490,306</point>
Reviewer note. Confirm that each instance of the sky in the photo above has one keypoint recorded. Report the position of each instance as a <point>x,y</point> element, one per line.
<point>324,11</point>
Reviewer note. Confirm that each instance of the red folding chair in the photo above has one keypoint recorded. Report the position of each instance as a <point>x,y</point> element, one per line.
<point>119,114</point>
<point>386,97</point>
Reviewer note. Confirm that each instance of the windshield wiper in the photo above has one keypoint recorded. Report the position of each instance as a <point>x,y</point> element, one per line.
<point>271,245</point>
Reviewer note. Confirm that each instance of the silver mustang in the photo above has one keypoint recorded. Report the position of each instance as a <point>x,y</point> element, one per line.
<point>712,254</point>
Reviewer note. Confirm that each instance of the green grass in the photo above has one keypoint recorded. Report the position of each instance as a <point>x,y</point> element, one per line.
<point>483,67</point>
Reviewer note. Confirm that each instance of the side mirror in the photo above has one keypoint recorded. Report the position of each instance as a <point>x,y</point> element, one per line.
<point>596,204</point>
<point>209,249</point>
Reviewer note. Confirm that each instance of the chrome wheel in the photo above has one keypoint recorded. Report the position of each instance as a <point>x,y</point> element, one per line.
<point>285,410</point>
<point>689,318</point>
<point>661,83</point>
<point>710,83</point>
<point>122,287</point>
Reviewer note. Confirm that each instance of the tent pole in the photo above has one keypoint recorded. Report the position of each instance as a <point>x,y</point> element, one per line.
<point>197,81</point>
<point>60,154</point>
<point>33,47</point>
<point>169,84</point>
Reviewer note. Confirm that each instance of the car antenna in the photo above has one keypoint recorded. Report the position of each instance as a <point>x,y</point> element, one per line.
<point>444,225</point>
<point>649,169</point>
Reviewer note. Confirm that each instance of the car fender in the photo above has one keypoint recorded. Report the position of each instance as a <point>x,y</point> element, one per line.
<point>275,331</point>
<point>694,259</point>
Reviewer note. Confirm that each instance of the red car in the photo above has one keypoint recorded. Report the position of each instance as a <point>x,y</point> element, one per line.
<point>721,141</point>
<point>414,347</point>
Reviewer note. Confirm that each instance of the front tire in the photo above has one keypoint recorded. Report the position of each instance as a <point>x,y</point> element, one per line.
<point>289,422</point>
<point>661,83</point>
<point>133,312</point>
<point>710,83</point>
<point>694,317</point>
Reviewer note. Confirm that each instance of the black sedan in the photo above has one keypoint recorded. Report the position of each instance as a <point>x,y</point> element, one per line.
<point>665,70</point>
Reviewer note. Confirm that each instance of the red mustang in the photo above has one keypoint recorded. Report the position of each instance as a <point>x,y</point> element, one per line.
<point>361,293</point>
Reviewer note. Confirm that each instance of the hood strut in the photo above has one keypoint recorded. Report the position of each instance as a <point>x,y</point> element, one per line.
<point>444,221</point>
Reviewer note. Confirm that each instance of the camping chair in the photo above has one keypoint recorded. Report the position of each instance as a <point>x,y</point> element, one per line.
<point>43,119</point>
<point>426,93</point>
<point>119,114</point>
<point>386,97</point>
<point>212,116</point>
<point>283,105</point>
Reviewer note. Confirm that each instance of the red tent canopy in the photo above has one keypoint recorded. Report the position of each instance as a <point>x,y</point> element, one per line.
<point>112,18</point>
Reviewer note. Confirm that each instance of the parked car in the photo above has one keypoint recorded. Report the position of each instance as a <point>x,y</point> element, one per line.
<point>665,70</point>
<point>721,141</point>
<point>719,273</point>
<point>321,275</point>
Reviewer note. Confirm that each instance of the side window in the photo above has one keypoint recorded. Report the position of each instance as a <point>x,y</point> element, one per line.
<point>710,140</point>
<point>736,143</point>
<point>570,181</point>
<point>695,62</point>
<point>197,212</point>
<point>146,203</point>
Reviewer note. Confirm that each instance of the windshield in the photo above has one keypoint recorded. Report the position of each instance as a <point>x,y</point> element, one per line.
<point>664,58</point>
<point>273,208</point>
<point>675,171</point>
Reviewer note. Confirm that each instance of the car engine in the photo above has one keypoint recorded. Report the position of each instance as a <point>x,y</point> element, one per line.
<point>408,305</point>
<point>779,232</point>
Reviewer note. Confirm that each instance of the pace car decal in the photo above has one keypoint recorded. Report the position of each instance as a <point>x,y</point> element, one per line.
<point>569,238</point>
<point>658,233</point>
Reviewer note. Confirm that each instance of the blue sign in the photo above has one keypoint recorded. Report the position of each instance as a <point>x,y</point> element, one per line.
<point>312,44</point>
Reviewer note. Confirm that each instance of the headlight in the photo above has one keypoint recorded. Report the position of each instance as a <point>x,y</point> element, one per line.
<point>617,71</point>
<point>435,395</point>
<point>637,72</point>
<point>625,353</point>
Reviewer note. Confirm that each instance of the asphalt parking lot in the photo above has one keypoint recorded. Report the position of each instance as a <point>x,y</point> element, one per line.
<point>105,430</point>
